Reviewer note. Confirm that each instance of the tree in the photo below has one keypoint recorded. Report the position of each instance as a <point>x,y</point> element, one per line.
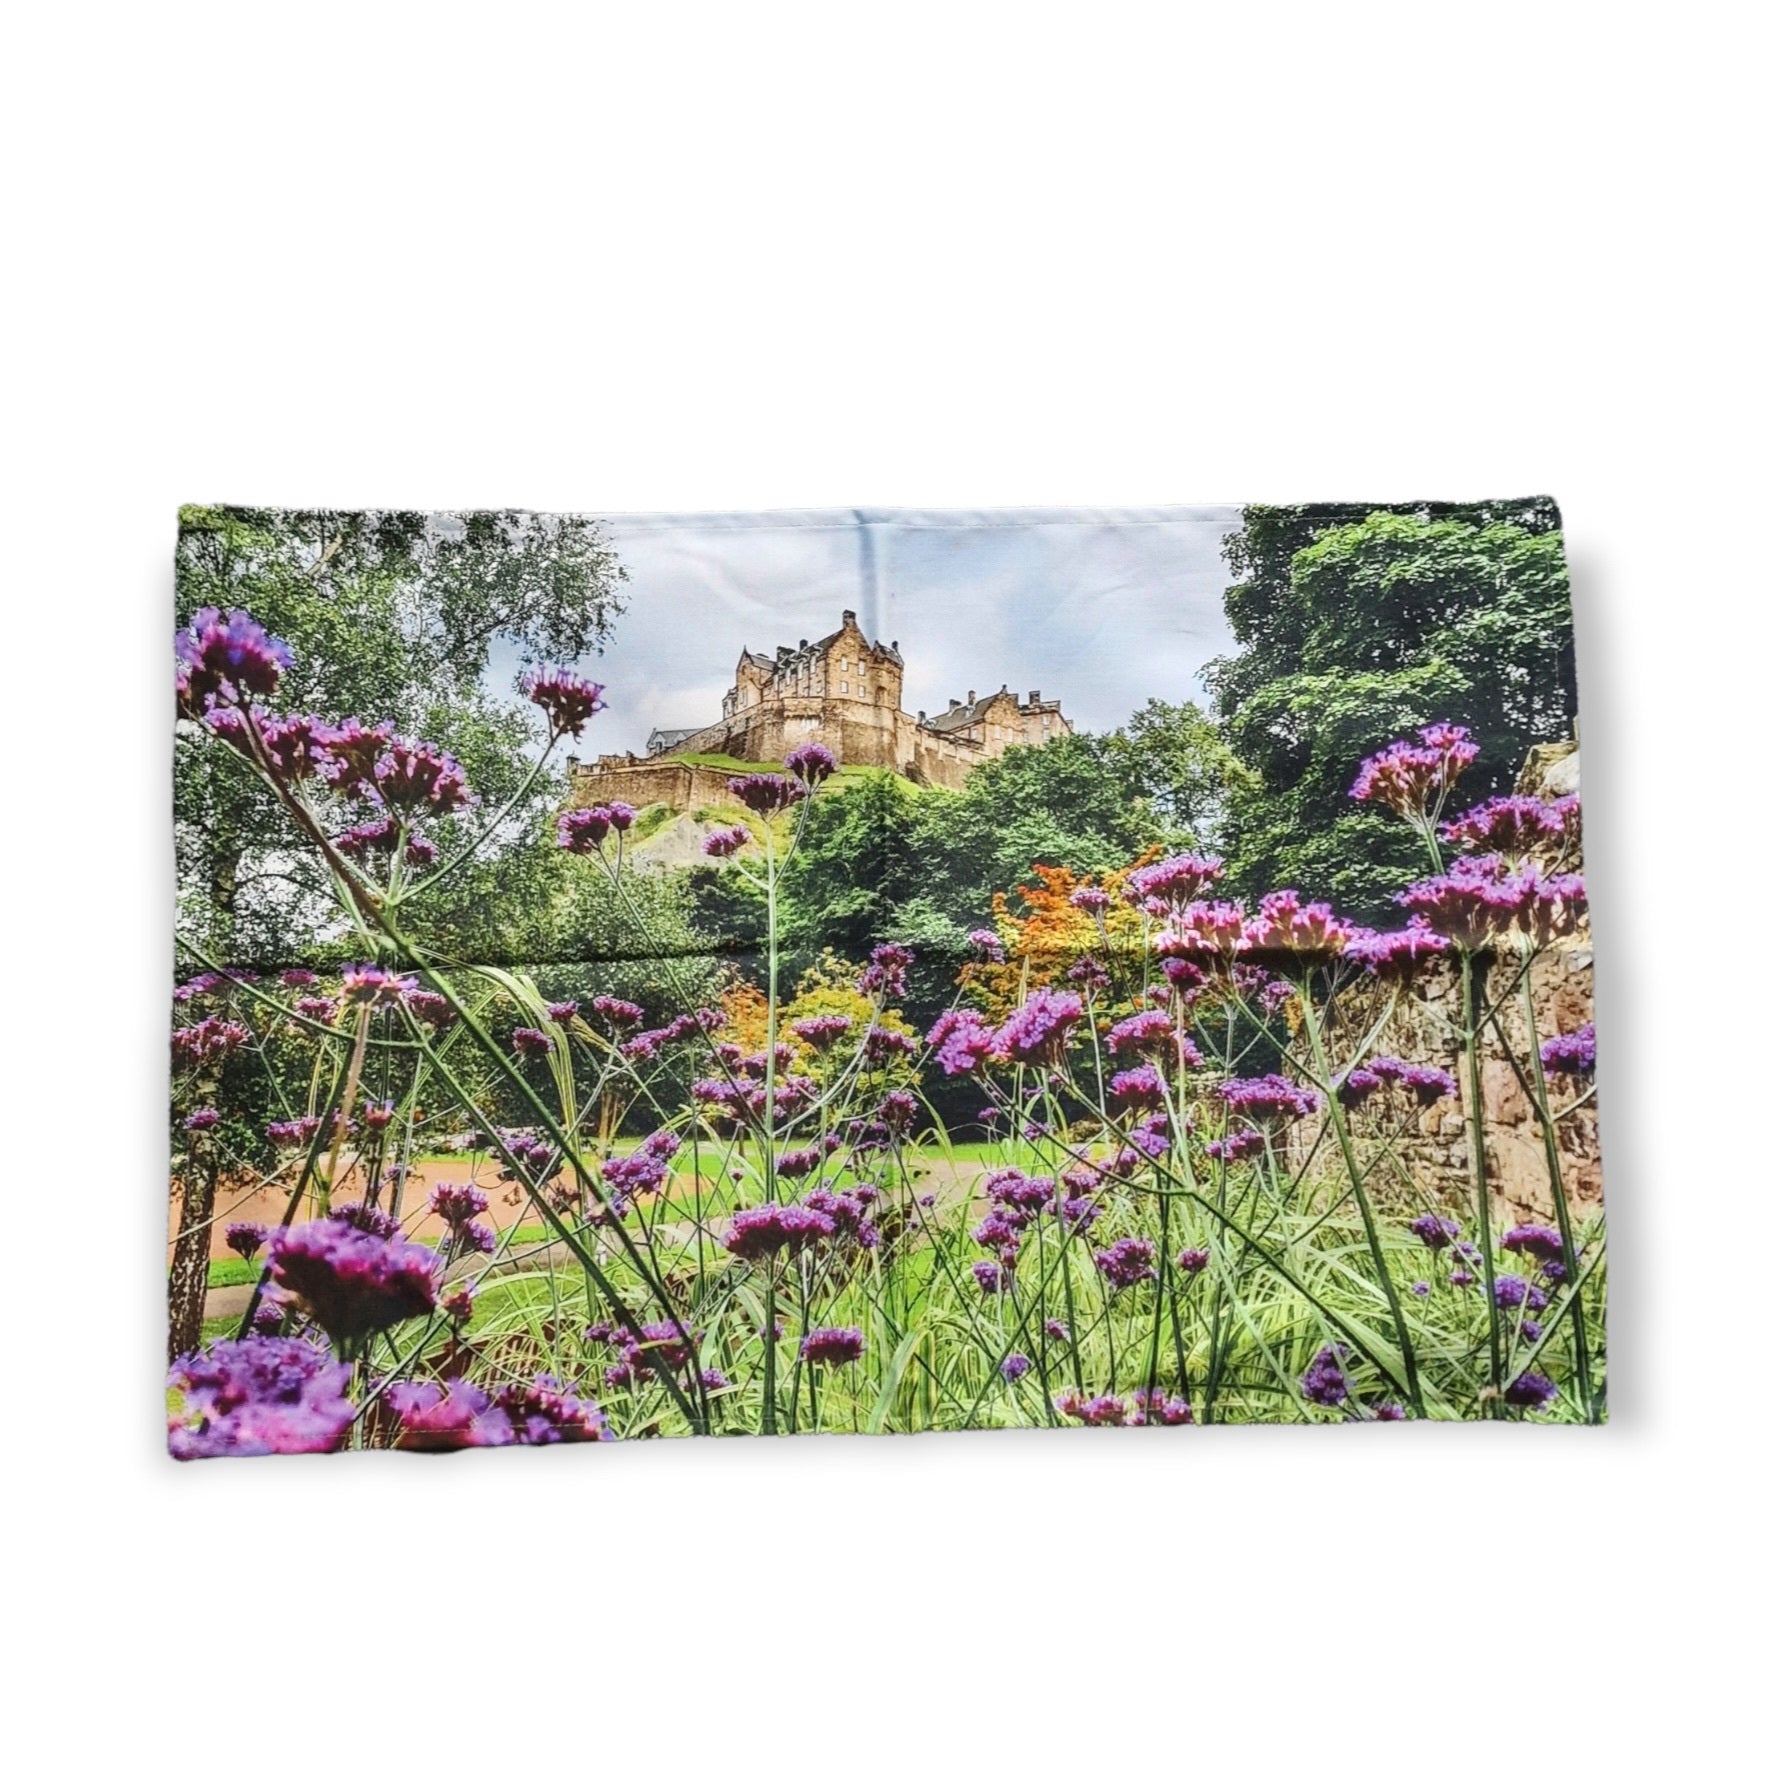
<point>391,616</point>
<point>1355,629</point>
<point>1172,756</point>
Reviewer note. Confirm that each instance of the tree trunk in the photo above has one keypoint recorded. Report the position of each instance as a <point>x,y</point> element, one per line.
<point>190,1278</point>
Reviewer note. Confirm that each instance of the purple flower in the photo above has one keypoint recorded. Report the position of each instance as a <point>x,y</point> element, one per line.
<point>1395,952</point>
<point>1511,1290</point>
<point>887,971</point>
<point>245,1238</point>
<point>617,1011</point>
<point>1146,1030</point>
<point>1015,1367</point>
<point>798,1162</point>
<point>1141,1088</point>
<point>833,1345</point>
<point>1324,1381</point>
<point>546,1412</point>
<point>1543,1244</point>
<point>764,792</point>
<point>1531,1390</point>
<point>353,1282</point>
<point>812,763</point>
<point>583,830</point>
<point>1038,1030</point>
<point>961,1040</point>
<point>991,1278</point>
<point>1413,780</point>
<point>437,1416</point>
<point>1421,1289</point>
<point>564,1012</point>
<point>725,841</point>
<point>1283,923</point>
<point>526,1041</point>
<point>292,1134</point>
<point>1478,902</point>
<point>1388,1410</point>
<point>1357,1086</point>
<point>1089,900</point>
<point>213,1039</point>
<point>457,1203</point>
<point>1434,1231</point>
<point>1514,825</point>
<point>1175,881</point>
<point>1575,1054</point>
<point>350,754</point>
<point>568,700</point>
<point>822,1031</point>
<point>205,1117</point>
<point>1105,1409</point>
<point>1243,1144</point>
<point>227,657</point>
<point>774,1227</point>
<point>989,943</point>
<point>414,776</point>
<point>365,983</point>
<point>1193,1260</point>
<point>1268,1099</point>
<point>1057,1329</point>
<point>1126,1263</point>
<point>258,1396</point>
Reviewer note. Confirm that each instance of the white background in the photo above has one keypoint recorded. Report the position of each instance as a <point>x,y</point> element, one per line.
<point>645,257</point>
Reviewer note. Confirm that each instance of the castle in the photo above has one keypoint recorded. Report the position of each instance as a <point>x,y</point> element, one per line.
<point>843,691</point>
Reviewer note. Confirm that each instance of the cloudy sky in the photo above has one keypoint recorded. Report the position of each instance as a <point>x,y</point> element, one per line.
<point>1103,609</point>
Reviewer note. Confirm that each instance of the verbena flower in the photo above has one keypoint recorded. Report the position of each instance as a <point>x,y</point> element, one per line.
<point>1512,1291</point>
<point>205,1117</point>
<point>245,1238</point>
<point>1141,1088</point>
<point>568,700</point>
<point>1193,1260</point>
<point>1057,1329</point>
<point>297,1133</point>
<point>764,792</point>
<point>1104,1409</point>
<point>962,1041</point>
<point>1388,1410</point>
<point>1357,1086</point>
<point>1241,1144</point>
<point>1395,952</point>
<point>832,1345</point>
<point>366,983</point>
<point>776,1227</point>
<point>725,841</point>
<point>350,754</point>
<point>1175,881</point>
<point>226,657</point>
<point>1146,1031</point>
<point>886,974</point>
<point>584,830</point>
<point>1089,900</point>
<point>457,1203</point>
<point>1574,1054</point>
<point>989,943</point>
<point>437,1416</point>
<point>1414,779</point>
<point>258,1396</point>
<point>294,745</point>
<point>990,1277</point>
<point>1543,1244</point>
<point>526,1041</point>
<point>1514,825</point>
<point>546,1412</point>
<point>430,1008</point>
<point>1323,1382</point>
<point>1038,1030</point>
<point>617,1011</point>
<point>1126,1263</point>
<point>811,763</point>
<point>822,1031</point>
<point>353,1282</point>
<point>1268,1099</point>
<point>213,1039</point>
<point>563,1011</point>
<point>1283,923</point>
<point>1531,1390</point>
<point>1434,1231</point>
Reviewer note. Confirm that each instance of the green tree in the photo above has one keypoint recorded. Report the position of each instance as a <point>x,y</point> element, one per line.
<point>391,616</point>
<point>1356,629</point>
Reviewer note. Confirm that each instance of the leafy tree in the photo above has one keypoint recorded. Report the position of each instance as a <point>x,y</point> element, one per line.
<point>1354,630</point>
<point>1173,757</point>
<point>391,616</point>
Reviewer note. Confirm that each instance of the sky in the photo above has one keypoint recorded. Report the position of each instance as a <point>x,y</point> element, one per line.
<point>1103,609</point>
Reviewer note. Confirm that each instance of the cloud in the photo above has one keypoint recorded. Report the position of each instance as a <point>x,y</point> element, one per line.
<point>1103,609</point>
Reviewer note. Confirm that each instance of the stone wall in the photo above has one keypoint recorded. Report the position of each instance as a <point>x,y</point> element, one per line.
<point>686,787</point>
